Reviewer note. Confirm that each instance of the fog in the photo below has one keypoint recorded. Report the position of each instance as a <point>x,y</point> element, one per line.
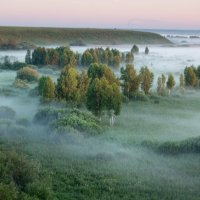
<point>119,149</point>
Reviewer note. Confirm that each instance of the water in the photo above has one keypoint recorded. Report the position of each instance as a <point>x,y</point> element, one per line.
<point>180,37</point>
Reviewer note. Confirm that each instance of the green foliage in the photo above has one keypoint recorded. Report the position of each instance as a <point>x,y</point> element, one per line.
<point>50,36</point>
<point>17,174</point>
<point>130,81</point>
<point>190,76</point>
<point>80,121</point>
<point>135,49</point>
<point>28,74</point>
<point>7,64</point>
<point>67,85</point>
<point>170,82</point>
<point>19,83</point>
<point>111,57</point>
<point>46,88</point>
<point>146,77</point>
<point>47,115</point>
<point>61,56</point>
<point>129,58</point>
<point>191,145</point>
<point>103,92</point>
<point>7,112</point>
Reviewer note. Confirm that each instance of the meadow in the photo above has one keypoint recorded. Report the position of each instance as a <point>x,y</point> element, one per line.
<point>130,160</point>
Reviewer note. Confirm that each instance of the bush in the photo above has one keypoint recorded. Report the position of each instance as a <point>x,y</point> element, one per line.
<point>28,74</point>
<point>140,96</point>
<point>19,178</point>
<point>20,84</point>
<point>46,116</point>
<point>7,112</point>
<point>80,121</point>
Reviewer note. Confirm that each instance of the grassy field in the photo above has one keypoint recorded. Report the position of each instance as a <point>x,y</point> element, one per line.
<point>60,36</point>
<point>123,162</point>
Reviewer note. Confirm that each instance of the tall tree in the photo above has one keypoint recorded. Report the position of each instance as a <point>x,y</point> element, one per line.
<point>46,88</point>
<point>28,57</point>
<point>67,84</point>
<point>135,49</point>
<point>130,81</point>
<point>146,77</point>
<point>190,76</point>
<point>103,92</point>
<point>170,83</point>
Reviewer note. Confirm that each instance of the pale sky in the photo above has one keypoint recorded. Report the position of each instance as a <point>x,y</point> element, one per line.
<point>173,14</point>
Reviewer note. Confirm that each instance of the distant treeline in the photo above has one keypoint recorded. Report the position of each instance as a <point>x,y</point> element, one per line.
<point>63,56</point>
<point>11,44</point>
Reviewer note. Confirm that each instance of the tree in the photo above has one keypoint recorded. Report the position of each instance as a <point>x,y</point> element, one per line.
<point>83,82</point>
<point>130,81</point>
<point>146,50</point>
<point>129,57</point>
<point>67,84</point>
<point>135,49</point>
<point>190,76</point>
<point>28,74</point>
<point>46,88</point>
<point>181,81</point>
<point>146,77</point>
<point>103,92</point>
<point>170,83</point>
<point>116,61</point>
<point>161,85</point>
<point>86,59</point>
<point>28,57</point>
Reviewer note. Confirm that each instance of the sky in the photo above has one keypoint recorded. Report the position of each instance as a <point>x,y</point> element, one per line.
<point>125,14</point>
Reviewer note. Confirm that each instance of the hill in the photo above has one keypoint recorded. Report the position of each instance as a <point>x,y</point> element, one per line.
<point>49,36</point>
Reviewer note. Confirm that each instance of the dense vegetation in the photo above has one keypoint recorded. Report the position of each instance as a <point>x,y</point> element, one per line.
<point>63,56</point>
<point>62,151</point>
<point>49,36</point>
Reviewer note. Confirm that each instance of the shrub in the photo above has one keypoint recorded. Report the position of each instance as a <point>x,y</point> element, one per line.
<point>80,121</point>
<point>20,84</point>
<point>7,112</point>
<point>28,74</point>
<point>140,96</point>
<point>46,116</point>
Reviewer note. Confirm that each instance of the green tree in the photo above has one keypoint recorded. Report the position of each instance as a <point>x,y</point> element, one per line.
<point>190,76</point>
<point>181,81</point>
<point>86,59</point>
<point>83,82</point>
<point>135,49</point>
<point>129,57</point>
<point>161,88</point>
<point>146,77</point>
<point>67,84</point>
<point>130,81</point>
<point>46,88</point>
<point>103,92</point>
<point>146,50</point>
<point>170,83</point>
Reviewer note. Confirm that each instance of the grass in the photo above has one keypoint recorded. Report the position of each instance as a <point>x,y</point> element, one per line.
<point>116,164</point>
<point>61,36</point>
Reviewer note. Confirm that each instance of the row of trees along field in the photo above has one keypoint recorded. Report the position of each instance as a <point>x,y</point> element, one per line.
<point>63,56</point>
<point>99,88</point>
